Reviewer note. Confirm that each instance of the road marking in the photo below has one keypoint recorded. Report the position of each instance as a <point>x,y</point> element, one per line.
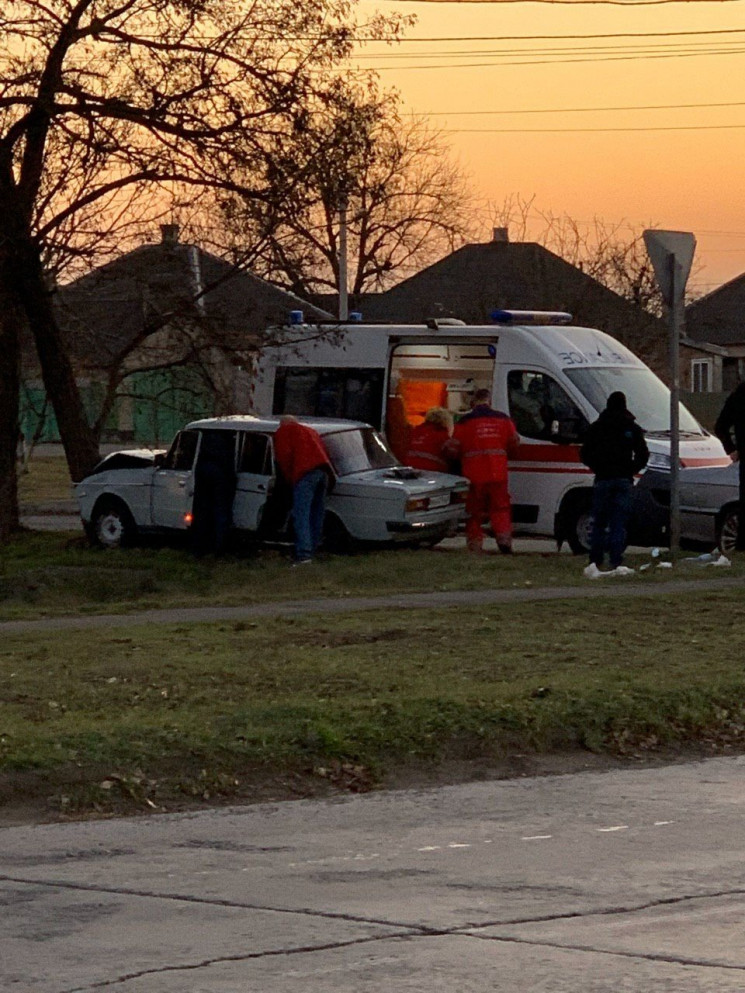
<point>455,844</point>
<point>618,827</point>
<point>430,848</point>
<point>662,823</point>
<point>536,837</point>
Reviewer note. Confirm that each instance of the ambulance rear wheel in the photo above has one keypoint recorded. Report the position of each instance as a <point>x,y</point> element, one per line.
<point>578,524</point>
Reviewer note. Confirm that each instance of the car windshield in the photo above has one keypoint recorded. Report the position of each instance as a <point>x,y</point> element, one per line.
<point>647,397</point>
<point>358,450</point>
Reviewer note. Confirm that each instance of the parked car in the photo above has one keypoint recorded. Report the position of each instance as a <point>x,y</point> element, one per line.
<point>374,498</point>
<point>709,503</point>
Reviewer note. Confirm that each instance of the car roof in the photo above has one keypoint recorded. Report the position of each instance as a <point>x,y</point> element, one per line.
<point>249,422</point>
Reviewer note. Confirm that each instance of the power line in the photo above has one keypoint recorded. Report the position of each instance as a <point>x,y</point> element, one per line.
<point>550,61</point>
<point>578,110</point>
<point>547,37</point>
<point>681,127</point>
<point>705,47</point>
<point>575,3</point>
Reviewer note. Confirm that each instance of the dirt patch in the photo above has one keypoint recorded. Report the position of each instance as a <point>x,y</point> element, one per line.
<point>31,798</point>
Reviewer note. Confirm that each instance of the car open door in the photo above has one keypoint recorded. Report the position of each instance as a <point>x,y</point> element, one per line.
<point>256,482</point>
<point>173,483</point>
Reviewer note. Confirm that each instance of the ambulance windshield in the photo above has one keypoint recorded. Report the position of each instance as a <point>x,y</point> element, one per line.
<point>647,397</point>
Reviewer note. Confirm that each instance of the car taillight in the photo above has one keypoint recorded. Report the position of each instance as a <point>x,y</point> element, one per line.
<point>188,518</point>
<point>414,504</point>
<point>459,496</point>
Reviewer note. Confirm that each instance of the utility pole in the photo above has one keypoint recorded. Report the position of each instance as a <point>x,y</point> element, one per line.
<point>343,299</point>
<point>671,254</point>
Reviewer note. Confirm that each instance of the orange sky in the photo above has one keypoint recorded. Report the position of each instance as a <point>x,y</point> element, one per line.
<point>678,179</point>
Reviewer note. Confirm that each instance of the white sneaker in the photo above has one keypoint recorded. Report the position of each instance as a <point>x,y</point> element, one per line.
<point>591,571</point>
<point>621,570</point>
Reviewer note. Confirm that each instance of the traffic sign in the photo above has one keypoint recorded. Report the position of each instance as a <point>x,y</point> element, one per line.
<point>671,253</point>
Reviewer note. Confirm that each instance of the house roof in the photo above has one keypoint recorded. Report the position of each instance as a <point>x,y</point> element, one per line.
<point>476,279</point>
<point>104,312</point>
<point>719,317</point>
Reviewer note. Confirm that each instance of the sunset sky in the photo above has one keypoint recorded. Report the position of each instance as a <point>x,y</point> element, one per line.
<point>688,177</point>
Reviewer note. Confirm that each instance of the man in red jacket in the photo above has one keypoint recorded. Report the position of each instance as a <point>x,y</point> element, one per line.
<point>304,463</point>
<point>483,440</point>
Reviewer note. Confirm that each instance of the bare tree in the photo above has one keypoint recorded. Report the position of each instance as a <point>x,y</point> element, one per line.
<point>407,203</point>
<point>105,100</point>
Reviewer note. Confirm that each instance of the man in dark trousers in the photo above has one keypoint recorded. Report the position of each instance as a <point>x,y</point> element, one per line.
<point>483,441</point>
<point>730,429</point>
<point>305,465</point>
<point>615,450</point>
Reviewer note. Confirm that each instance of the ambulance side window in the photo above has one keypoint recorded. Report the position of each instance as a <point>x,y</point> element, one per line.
<point>356,394</point>
<point>542,409</point>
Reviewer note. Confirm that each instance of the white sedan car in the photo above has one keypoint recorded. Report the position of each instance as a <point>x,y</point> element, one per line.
<point>374,498</point>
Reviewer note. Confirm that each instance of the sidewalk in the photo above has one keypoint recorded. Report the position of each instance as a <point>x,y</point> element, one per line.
<point>620,588</point>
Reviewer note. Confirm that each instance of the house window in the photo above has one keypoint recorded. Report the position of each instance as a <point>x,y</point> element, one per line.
<point>701,375</point>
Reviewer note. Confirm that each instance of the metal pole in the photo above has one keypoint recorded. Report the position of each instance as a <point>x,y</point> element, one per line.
<point>343,300</point>
<point>674,411</point>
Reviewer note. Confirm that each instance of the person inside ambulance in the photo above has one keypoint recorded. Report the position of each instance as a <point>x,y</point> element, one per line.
<point>428,440</point>
<point>483,440</point>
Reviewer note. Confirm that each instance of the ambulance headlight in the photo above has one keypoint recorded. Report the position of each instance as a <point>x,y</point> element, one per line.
<point>659,461</point>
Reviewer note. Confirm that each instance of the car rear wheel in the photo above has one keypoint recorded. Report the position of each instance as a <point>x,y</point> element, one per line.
<point>112,525</point>
<point>727,530</point>
<point>336,538</point>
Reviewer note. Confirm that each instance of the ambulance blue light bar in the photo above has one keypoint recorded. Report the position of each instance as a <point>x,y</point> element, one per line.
<point>530,317</point>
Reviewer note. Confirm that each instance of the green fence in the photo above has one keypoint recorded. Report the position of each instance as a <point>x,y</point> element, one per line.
<point>151,407</point>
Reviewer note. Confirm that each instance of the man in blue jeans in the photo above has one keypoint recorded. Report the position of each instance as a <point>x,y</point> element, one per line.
<point>615,450</point>
<point>305,465</point>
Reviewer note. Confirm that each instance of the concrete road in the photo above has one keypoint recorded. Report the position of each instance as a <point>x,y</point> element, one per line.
<point>617,881</point>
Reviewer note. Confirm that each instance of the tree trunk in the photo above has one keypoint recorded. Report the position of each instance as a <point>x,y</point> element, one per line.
<point>10,384</point>
<point>78,438</point>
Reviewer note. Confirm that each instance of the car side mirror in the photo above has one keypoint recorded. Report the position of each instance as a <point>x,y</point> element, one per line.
<point>160,460</point>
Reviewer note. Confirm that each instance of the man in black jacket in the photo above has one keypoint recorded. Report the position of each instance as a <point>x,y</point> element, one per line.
<point>615,449</point>
<point>731,422</point>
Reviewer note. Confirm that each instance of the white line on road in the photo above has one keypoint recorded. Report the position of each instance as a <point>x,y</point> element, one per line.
<point>536,837</point>
<point>617,827</point>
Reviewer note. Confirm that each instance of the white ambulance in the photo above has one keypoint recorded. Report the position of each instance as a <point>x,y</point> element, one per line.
<point>551,377</point>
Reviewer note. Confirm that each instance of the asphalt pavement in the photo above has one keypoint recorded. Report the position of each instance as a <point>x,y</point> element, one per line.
<point>587,883</point>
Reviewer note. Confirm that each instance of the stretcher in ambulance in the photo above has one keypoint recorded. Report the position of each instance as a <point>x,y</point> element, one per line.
<point>552,377</point>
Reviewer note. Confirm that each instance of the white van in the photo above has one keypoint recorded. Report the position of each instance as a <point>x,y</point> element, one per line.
<point>552,377</point>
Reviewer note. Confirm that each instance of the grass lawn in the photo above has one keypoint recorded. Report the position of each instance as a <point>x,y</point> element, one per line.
<point>161,716</point>
<point>45,482</point>
<point>51,573</point>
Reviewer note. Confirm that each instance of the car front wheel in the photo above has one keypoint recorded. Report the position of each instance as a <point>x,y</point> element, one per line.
<point>112,526</point>
<point>727,530</point>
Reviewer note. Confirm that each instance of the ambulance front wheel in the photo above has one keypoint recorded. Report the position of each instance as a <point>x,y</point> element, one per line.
<point>577,523</point>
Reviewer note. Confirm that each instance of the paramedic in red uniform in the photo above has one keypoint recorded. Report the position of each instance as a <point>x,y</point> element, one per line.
<point>483,440</point>
<point>305,465</point>
<point>428,440</point>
